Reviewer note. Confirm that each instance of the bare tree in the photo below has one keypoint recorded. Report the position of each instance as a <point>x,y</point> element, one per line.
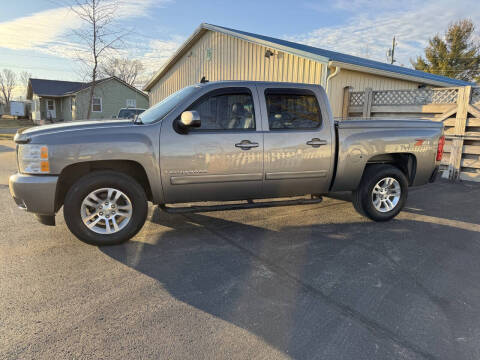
<point>24,78</point>
<point>123,68</point>
<point>98,35</point>
<point>8,80</point>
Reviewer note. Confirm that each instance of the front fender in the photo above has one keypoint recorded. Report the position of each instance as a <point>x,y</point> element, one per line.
<point>138,143</point>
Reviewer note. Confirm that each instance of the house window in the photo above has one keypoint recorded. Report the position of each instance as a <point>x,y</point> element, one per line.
<point>97,104</point>
<point>132,103</point>
<point>50,105</point>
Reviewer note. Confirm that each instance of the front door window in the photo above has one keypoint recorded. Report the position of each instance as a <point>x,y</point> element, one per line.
<point>226,112</point>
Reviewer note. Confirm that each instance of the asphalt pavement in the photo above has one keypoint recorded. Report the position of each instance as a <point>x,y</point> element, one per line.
<point>302,282</point>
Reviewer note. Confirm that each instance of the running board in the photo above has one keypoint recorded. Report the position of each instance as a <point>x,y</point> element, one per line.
<point>238,206</point>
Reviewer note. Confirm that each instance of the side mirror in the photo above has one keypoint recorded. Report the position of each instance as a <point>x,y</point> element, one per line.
<point>190,119</point>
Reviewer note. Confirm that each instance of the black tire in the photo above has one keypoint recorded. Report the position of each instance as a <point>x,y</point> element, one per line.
<point>362,198</point>
<point>98,180</point>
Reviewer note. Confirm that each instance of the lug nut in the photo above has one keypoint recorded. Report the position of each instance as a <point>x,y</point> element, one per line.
<point>107,216</point>
<point>113,212</point>
<point>106,202</point>
<point>100,213</point>
<point>113,206</point>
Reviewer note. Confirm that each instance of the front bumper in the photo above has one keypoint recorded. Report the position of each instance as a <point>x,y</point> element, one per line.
<point>34,193</point>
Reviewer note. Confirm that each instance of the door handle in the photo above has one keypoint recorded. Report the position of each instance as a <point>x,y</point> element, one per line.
<point>246,144</point>
<point>316,142</point>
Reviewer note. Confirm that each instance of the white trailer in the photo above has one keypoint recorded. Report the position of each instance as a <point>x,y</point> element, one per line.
<point>17,108</point>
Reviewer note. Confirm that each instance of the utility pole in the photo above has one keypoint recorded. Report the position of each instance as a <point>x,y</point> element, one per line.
<point>391,52</point>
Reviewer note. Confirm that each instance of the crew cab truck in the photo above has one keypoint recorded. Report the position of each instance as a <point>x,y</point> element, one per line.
<point>219,141</point>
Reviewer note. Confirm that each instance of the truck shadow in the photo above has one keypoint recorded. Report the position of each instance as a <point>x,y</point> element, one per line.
<point>346,290</point>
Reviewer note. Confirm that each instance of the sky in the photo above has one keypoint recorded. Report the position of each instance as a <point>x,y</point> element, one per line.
<point>36,35</point>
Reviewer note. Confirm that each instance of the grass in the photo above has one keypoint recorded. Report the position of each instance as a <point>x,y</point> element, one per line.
<point>11,123</point>
<point>8,123</point>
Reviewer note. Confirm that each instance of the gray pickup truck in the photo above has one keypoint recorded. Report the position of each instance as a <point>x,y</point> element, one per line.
<point>219,142</point>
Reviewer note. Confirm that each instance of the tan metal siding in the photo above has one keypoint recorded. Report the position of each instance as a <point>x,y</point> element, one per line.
<point>360,81</point>
<point>221,57</point>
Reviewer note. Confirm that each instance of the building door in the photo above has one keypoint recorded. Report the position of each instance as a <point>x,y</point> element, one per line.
<point>223,159</point>
<point>298,143</point>
<point>51,112</point>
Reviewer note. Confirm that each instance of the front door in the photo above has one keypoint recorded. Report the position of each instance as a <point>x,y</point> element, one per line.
<point>298,141</point>
<point>51,112</point>
<point>223,159</point>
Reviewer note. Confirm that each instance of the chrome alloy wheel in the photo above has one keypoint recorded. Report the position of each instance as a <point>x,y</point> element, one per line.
<point>386,194</point>
<point>106,211</point>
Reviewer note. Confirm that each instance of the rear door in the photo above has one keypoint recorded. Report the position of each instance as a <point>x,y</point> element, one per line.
<point>298,141</point>
<point>221,160</point>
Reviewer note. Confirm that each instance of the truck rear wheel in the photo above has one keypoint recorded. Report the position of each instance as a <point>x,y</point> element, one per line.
<point>105,208</point>
<point>382,192</point>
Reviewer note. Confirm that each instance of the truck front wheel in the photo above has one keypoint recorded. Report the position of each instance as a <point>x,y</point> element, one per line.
<point>105,208</point>
<point>382,192</point>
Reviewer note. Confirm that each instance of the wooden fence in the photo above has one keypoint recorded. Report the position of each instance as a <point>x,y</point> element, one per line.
<point>458,108</point>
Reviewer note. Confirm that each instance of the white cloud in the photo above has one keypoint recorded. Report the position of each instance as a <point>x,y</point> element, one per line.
<point>369,31</point>
<point>161,50</point>
<point>37,29</point>
<point>48,31</point>
<point>158,54</point>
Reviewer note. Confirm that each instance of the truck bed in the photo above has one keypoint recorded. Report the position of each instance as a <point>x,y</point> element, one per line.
<point>364,141</point>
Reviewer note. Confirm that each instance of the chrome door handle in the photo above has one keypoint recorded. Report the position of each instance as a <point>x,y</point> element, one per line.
<point>316,142</point>
<point>246,145</point>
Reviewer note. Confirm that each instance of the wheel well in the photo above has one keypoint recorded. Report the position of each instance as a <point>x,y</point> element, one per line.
<point>73,172</point>
<point>407,163</point>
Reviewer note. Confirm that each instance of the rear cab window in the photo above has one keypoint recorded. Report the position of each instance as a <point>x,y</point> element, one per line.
<point>292,109</point>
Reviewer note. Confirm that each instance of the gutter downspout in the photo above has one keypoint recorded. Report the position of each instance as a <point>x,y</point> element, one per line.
<point>332,75</point>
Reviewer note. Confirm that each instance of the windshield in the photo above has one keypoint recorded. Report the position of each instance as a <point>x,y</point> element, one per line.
<point>129,113</point>
<point>158,111</point>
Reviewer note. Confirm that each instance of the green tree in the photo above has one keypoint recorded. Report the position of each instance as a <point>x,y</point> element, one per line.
<point>456,55</point>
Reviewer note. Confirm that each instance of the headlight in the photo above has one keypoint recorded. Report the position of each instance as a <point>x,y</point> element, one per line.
<point>33,159</point>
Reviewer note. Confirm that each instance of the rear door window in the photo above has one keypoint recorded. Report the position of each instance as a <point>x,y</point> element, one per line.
<point>292,109</point>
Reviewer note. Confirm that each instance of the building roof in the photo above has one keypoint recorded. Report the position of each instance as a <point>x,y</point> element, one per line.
<point>326,56</point>
<point>60,88</point>
<point>45,87</point>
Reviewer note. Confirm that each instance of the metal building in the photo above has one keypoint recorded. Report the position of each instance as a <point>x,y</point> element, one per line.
<point>219,53</point>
